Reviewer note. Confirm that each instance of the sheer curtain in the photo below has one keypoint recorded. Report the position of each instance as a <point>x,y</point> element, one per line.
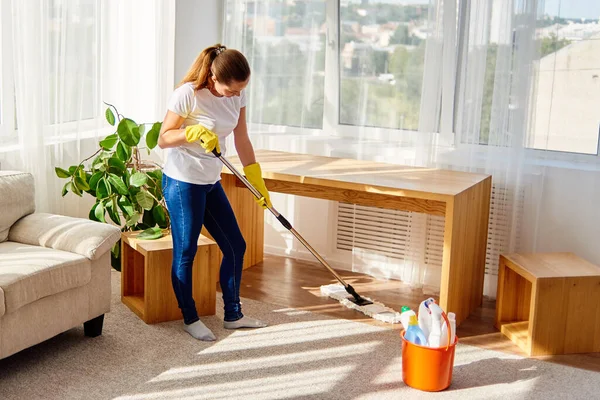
<point>487,86</point>
<point>68,58</point>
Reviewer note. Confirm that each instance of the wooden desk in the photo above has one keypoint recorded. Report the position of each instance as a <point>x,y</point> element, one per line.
<point>462,198</point>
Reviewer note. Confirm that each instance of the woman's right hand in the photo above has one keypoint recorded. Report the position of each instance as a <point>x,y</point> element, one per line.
<point>205,137</point>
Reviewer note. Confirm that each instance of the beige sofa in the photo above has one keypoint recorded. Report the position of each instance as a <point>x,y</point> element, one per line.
<point>54,270</point>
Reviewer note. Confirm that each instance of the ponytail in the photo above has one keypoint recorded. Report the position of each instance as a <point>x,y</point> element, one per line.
<point>229,65</point>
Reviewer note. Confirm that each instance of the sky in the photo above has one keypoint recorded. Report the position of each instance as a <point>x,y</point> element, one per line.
<point>573,8</point>
<point>568,8</point>
<point>589,9</point>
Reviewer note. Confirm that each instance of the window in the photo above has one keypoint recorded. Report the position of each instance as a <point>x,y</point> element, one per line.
<point>73,45</point>
<point>567,106</point>
<point>285,44</point>
<point>69,64</point>
<point>358,68</point>
<point>7,94</point>
<point>321,64</point>
<point>381,58</point>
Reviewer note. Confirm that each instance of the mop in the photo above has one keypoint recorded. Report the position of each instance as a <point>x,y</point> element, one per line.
<point>339,291</point>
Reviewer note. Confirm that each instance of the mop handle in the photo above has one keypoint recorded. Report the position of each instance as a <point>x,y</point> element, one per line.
<point>279,217</point>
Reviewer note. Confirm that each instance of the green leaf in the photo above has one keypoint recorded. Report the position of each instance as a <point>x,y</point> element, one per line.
<point>75,189</point>
<point>116,250</point>
<point>126,206</point>
<point>72,169</point>
<point>66,189</point>
<point>109,141</point>
<point>99,212</point>
<point>81,184</point>
<point>62,173</point>
<point>150,234</point>
<point>93,182</point>
<point>97,163</point>
<point>138,179</point>
<point>123,152</point>
<point>133,219</point>
<point>142,129</point>
<point>159,216</point>
<point>112,212</point>
<point>110,116</point>
<point>148,219</point>
<point>81,173</point>
<point>117,183</point>
<point>144,200</point>
<point>116,165</point>
<point>92,214</point>
<point>157,175</point>
<point>152,135</point>
<point>103,189</point>
<point>129,132</point>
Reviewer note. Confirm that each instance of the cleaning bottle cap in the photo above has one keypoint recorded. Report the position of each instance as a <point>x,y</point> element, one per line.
<point>405,308</point>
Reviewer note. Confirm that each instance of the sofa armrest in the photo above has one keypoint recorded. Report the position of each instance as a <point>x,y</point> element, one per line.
<point>76,235</point>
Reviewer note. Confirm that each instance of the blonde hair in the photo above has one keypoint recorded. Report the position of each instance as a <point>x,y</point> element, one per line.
<point>227,65</point>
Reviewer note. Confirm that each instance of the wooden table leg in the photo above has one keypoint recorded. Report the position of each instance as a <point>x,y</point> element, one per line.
<point>250,218</point>
<point>465,240</point>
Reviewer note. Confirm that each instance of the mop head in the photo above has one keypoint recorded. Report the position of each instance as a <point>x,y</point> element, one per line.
<point>376,310</point>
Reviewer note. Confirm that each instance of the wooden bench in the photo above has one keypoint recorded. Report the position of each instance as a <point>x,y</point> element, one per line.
<point>146,286</point>
<point>549,303</point>
<point>462,198</point>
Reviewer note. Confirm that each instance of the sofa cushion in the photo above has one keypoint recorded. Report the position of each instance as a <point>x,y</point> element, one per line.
<point>17,199</point>
<point>29,273</point>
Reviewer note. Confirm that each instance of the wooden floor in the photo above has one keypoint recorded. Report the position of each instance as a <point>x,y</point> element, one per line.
<point>294,283</point>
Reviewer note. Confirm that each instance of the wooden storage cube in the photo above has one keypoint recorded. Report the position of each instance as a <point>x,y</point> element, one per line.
<point>549,303</point>
<point>146,286</point>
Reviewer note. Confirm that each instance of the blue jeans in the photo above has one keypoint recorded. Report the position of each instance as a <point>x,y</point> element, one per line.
<point>191,206</point>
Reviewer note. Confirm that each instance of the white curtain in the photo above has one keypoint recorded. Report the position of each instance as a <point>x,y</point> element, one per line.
<point>68,58</point>
<point>488,86</point>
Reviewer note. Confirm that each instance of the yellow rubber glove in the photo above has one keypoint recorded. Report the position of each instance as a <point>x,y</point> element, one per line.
<point>205,137</point>
<point>254,175</point>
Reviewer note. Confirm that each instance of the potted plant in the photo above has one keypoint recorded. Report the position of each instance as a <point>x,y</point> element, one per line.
<point>127,189</point>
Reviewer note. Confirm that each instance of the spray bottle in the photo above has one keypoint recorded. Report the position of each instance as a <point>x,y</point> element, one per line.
<point>425,316</point>
<point>435,333</point>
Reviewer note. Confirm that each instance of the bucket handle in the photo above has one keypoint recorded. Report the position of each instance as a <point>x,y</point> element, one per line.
<point>448,330</point>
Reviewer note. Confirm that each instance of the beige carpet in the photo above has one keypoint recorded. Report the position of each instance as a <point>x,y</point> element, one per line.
<point>300,356</point>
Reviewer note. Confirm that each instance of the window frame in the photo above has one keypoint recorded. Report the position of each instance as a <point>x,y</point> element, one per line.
<point>333,76</point>
<point>455,22</point>
<point>70,130</point>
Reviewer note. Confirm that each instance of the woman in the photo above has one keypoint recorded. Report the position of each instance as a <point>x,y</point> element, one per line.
<point>205,108</point>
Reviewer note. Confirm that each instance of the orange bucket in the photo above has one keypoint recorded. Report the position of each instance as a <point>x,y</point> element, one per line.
<point>427,368</point>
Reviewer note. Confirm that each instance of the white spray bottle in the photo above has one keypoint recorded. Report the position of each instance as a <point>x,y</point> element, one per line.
<point>425,316</point>
<point>435,334</point>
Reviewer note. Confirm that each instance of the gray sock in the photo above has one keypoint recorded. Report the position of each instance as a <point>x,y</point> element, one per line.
<point>244,322</point>
<point>199,331</point>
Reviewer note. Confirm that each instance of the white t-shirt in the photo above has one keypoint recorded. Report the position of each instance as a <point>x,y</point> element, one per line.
<point>190,162</point>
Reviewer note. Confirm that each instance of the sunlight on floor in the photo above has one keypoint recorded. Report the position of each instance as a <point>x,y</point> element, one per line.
<point>275,361</point>
<point>308,331</point>
<point>283,386</point>
<point>391,374</point>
